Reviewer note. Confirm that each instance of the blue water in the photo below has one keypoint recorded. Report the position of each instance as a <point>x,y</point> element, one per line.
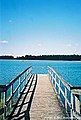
<point>69,70</point>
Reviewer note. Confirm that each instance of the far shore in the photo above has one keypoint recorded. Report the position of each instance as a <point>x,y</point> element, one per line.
<point>44,57</point>
<point>42,60</point>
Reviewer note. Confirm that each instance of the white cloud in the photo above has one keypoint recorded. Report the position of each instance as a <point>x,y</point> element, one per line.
<point>76,44</point>
<point>3,42</point>
<point>69,45</point>
<point>72,45</point>
<point>39,45</point>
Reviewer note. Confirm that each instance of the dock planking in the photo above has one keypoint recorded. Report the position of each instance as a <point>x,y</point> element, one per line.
<point>45,105</point>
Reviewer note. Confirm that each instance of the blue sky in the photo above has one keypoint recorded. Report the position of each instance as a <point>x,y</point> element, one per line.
<point>40,27</point>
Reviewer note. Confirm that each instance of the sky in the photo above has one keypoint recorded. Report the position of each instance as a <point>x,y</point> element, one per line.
<point>40,27</point>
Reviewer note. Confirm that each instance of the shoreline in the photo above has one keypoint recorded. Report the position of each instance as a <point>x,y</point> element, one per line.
<point>43,59</point>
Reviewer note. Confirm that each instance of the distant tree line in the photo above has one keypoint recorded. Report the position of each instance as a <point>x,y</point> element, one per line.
<point>45,57</point>
<point>6,57</point>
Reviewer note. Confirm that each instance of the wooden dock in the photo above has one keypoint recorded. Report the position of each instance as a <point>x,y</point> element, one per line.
<point>39,97</point>
<point>40,103</point>
<point>45,105</point>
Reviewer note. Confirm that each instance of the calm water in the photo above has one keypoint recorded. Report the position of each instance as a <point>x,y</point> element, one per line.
<point>69,70</point>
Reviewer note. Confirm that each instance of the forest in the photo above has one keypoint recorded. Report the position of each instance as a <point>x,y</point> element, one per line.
<point>45,57</point>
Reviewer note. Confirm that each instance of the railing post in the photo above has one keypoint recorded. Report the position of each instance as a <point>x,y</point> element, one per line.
<point>59,87</point>
<point>50,74</point>
<point>0,96</point>
<point>71,106</point>
<point>31,70</point>
<point>11,101</point>
<point>24,78</point>
<point>52,77</point>
<point>1,99</point>
<point>4,105</point>
<point>26,72</point>
<point>19,87</point>
<point>65,99</point>
<point>55,81</point>
<point>77,104</point>
<point>26,75</point>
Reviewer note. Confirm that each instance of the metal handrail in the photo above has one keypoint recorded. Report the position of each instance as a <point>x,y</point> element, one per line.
<point>4,88</point>
<point>13,80</point>
<point>74,92</point>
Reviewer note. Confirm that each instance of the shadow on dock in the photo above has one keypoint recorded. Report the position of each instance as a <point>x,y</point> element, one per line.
<point>23,105</point>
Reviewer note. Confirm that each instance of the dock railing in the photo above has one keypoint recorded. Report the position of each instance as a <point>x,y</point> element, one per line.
<point>10,92</point>
<point>69,96</point>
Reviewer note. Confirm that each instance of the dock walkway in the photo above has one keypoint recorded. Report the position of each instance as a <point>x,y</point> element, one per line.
<point>45,105</point>
<point>38,101</point>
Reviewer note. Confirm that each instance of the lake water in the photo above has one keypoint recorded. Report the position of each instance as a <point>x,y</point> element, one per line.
<point>69,70</point>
